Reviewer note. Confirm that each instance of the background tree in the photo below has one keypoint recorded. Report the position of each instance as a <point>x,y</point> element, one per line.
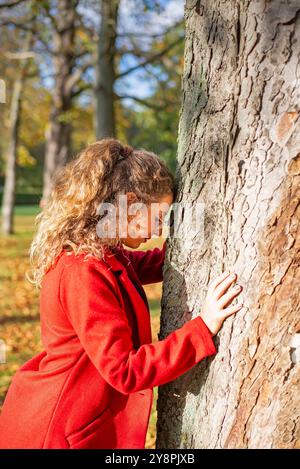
<point>65,54</point>
<point>76,58</point>
<point>158,118</point>
<point>105,69</point>
<point>61,43</point>
<point>114,46</point>
<point>8,201</point>
<point>239,154</point>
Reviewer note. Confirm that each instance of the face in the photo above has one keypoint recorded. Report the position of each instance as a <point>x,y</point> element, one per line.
<point>146,222</point>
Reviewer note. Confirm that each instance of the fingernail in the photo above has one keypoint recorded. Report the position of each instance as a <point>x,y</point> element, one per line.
<point>232,275</point>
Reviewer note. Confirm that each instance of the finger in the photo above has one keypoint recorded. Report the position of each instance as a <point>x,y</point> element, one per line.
<point>223,286</point>
<point>226,299</point>
<point>231,310</point>
<point>217,280</point>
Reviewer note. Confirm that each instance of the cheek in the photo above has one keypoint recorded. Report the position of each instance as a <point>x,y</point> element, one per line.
<point>144,225</point>
<point>148,224</point>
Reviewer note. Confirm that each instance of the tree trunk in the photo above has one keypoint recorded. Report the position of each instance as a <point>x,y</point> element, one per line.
<point>58,135</point>
<point>105,70</point>
<point>8,202</point>
<point>239,154</point>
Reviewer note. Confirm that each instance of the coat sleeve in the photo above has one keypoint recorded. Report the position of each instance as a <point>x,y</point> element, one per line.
<point>88,297</point>
<point>148,264</point>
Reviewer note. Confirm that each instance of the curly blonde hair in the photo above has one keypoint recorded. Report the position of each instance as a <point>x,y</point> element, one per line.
<point>101,172</point>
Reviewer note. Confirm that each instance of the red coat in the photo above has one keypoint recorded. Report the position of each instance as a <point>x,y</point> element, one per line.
<point>92,385</point>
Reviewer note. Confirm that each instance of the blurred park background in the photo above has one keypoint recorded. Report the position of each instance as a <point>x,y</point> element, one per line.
<point>72,71</point>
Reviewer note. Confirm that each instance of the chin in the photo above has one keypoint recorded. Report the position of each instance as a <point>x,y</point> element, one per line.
<point>141,241</point>
<point>135,243</point>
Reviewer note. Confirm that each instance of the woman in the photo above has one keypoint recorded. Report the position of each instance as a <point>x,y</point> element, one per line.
<point>92,385</point>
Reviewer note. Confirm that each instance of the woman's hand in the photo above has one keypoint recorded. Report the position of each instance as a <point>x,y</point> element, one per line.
<point>216,306</point>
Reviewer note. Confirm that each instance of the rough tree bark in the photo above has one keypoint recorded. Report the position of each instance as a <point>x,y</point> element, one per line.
<point>239,154</point>
<point>105,70</point>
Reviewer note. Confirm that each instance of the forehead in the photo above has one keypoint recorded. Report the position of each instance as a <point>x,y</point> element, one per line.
<point>165,199</point>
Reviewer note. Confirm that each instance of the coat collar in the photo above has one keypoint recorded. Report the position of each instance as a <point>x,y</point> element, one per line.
<point>141,311</point>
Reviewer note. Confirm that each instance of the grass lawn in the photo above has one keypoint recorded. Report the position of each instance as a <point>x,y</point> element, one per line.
<point>19,320</point>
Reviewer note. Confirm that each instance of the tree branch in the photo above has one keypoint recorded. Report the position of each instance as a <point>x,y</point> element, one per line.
<point>19,55</point>
<point>76,77</point>
<point>140,100</point>
<point>81,89</point>
<point>23,19</point>
<point>166,31</point>
<point>12,4</point>
<point>24,27</point>
<point>150,59</point>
